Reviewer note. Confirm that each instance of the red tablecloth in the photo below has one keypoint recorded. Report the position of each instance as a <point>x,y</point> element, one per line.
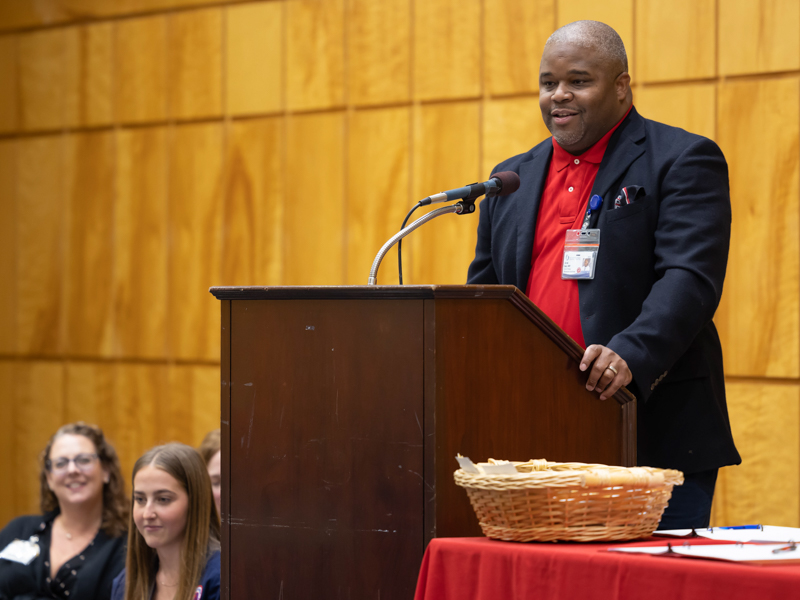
<point>483,569</point>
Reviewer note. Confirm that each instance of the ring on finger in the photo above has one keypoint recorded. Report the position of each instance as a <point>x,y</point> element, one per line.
<point>612,369</point>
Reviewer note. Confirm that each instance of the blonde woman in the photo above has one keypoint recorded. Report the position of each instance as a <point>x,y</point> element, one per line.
<point>173,539</point>
<point>76,547</point>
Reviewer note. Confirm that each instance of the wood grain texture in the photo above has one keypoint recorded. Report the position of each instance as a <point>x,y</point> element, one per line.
<point>314,54</point>
<point>514,49</point>
<point>675,40</point>
<point>38,412</point>
<point>42,77</point>
<point>40,247</point>
<point>252,252</point>
<point>89,184</point>
<point>315,204</point>
<point>510,126</point>
<point>765,488</point>
<point>89,394</point>
<point>193,409</point>
<point>140,244</point>
<point>447,59</point>
<point>378,191</point>
<point>195,64</point>
<point>616,13</point>
<point>205,381</point>
<point>9,84</point>
<point>379,47</point>
<point>8,247</point>
<point>140,73</point>
<point>8,458</point>
<point>446,156</point>
<point>195,233</point>
<point>254,58</point>
<point>758,36</point>
<point>759,315</point>
<point>88,88</point>
<point>691,107</point>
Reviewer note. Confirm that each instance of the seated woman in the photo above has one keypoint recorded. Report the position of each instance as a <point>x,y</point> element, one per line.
<point>77,547</point>
<point>173,539</point>
<point>210,451</point>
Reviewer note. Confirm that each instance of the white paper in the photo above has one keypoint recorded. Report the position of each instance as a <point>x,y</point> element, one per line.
<point>467,465</point>
<point>767,533</point>
<point>732,552</point>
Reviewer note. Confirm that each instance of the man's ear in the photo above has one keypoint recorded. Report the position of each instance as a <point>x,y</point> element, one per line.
<point>622,85</point>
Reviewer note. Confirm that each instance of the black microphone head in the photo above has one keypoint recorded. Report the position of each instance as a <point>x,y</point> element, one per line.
<point>509,182</point>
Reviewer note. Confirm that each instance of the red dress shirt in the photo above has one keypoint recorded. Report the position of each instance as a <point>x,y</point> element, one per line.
<point>562,207</point>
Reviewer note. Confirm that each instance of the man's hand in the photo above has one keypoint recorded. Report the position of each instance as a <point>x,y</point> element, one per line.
<point>609,371</point>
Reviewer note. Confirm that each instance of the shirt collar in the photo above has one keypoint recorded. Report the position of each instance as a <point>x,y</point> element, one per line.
<point>594,154</point>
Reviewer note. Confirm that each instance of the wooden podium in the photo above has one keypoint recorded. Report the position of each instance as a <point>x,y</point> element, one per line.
<point>343,409</point>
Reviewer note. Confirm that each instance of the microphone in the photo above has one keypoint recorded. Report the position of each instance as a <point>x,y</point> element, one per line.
<point>501,184</point>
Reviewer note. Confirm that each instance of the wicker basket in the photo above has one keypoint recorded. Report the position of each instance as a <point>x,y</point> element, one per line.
<point>547,501</point>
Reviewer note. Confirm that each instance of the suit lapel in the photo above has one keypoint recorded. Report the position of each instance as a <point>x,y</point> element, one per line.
<point>532,174</point>
<point>620,153</point>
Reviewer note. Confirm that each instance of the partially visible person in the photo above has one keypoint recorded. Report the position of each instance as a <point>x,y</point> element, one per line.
<point>76,548</point>
<point>210,451</point>
<point>173,538</point>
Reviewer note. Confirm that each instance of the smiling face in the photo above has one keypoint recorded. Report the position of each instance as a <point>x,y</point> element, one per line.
<point>160,506</point>
<point>73,483</point>
<point>581,94</point>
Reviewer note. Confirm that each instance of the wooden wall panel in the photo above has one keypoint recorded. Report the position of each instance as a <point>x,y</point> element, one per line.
<point>446,156</point>
<point>378,191</point>
<point>675,40</point>
<point>759,318</point>
<point>138,390</point>
<point>254,58</point>
<point>89,185</point>
<point>140,244</point>
<point>315,205</point>
<point>89,395</point>
<point>314,54</point>
<point>88,87</point>
<point>40,264</point>
<point>447,59</point>
<point>514,47</point>
<point>692,107</point>
<point>8,499</point>
<point>616,13</point>
<point>510,126</point>
<point>38,411</point>
<point>195,64</point>
<point>379,48</point>
<point>252,250</point>
<point>758,36</point>
<point>765,488</point>
<point>195,232</point>
<point>206,384</point>
<point>9,84</point>
<point>42,73</point>
<point>140,69</point>
<point>8,247</point>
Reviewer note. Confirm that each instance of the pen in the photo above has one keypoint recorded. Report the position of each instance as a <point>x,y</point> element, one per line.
<point>789,548</point>
<point>759,527</point>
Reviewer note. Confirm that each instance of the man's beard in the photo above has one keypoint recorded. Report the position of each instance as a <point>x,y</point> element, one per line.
<point>569,138</point>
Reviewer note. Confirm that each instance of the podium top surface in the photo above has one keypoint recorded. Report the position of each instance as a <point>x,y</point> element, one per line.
<point>344,292</point>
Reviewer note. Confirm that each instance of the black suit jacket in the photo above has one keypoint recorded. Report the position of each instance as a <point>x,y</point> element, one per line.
<point>658,278</point>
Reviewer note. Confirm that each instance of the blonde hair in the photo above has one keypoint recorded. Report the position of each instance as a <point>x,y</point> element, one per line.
<point>201,536</point>
<point>210,445</point>
<point>115,507</point>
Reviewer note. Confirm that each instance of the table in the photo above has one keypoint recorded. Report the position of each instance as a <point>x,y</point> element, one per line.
<point>483,569</point>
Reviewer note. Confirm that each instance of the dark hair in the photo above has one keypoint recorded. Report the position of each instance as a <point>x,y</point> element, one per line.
<point>115,508</point>
<point>200,537</point>
<point>210,445</point>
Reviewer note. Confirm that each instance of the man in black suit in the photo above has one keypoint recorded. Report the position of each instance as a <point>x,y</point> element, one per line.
<point>660,200</point>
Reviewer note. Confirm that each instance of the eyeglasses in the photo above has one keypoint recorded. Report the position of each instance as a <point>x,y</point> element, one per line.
<point>83,462</point>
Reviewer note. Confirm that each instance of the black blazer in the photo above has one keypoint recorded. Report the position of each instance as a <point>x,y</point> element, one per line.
<point>658,278</point>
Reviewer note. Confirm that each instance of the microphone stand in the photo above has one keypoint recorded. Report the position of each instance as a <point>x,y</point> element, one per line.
<point>464,206</point>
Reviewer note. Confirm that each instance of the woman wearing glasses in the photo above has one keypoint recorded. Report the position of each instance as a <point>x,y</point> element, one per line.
<point>76,548</point>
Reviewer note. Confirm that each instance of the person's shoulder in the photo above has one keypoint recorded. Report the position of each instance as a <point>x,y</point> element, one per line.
<point>668,136</point>
<point>514,163</point>
<point>26,526</point>
<point>118,587</point>
<point>213,565</point>
<point>211,577</point>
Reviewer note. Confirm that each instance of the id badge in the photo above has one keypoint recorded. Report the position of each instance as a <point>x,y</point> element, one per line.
<point>580,253</point>
<point>21,551</point>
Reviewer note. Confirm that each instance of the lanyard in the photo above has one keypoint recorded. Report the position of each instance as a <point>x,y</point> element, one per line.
<point>594,204</point>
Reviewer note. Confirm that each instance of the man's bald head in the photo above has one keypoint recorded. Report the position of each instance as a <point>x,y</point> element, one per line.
<point>597,37</point>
